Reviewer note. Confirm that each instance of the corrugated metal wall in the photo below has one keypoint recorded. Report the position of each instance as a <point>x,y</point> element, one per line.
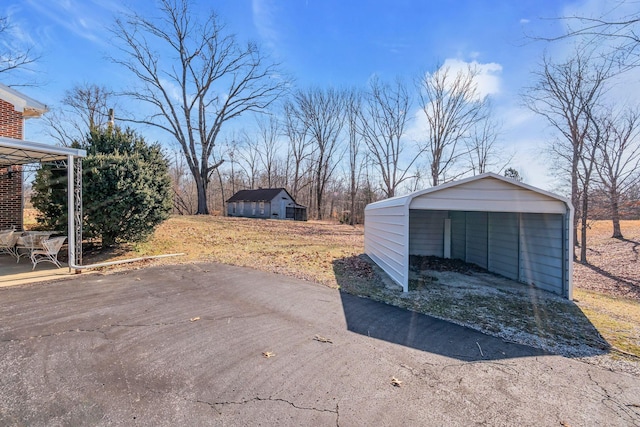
<point>523,247</point>
<point>426,229</point>
<point>477,239</point>
<point>541,251</point>
<point>458,235</point>
<point>384,240</point>
<point>503,244</point>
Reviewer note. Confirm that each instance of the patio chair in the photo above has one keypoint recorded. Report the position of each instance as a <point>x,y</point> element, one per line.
<point>48,251</point>
<point>26,244</point>
<point>8,240</point>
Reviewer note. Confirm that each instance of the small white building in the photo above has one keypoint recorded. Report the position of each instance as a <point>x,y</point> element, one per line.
<point>509,228</point>
<point>266,203</point>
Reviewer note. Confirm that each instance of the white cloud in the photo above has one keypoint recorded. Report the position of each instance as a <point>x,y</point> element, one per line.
<point>85,19</point>
<point>264,14</point>
<point>487,80</point>
<point>524,21</point>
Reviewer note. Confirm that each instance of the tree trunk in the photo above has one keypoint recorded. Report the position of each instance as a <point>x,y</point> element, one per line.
<point>575,200</point>
<point>615,214</point>
<point>224,208</point>
<point>201,186</point>
<point>583,231</point>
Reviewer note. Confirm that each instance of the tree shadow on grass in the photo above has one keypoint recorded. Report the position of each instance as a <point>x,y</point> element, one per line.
<point>627,287</point>
<point>374,306</point>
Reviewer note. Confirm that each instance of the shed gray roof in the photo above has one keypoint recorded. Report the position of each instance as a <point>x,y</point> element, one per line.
<point>259,195</point>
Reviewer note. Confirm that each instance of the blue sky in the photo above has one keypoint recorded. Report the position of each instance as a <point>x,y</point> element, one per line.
<point>331,42</point>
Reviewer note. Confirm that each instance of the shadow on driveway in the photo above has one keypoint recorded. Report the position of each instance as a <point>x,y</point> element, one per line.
<point>551,320</point>
<point>426,333</point>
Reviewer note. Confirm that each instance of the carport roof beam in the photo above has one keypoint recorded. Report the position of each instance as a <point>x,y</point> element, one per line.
<point>20,152</point>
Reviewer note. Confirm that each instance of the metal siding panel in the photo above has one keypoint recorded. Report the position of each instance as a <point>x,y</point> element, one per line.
<point>476,233</point>
<point>541,251</point>
<point>458,235</point>
<point>426,232</point>
<point>503,244</point>
<point>385,240</point>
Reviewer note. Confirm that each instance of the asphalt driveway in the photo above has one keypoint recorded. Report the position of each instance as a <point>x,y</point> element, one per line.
<point>208,344</point>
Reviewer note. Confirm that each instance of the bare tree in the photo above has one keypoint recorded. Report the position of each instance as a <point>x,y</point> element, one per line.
<point>299,145</point>
<point>15,56</point>
<point>566,95</point>
<point>618,27</point>
<point>184,201</point>
<point>353,107</point>
<point>452,105</point>
<point>268,147</point>
<point>483,148</point>
<point>618,160</point>
<point>322,115</point>
<point>594,139</point>
<point>84,107</point>
<point>382,125</point>
<point>194,76</point>
<point>248,156</point>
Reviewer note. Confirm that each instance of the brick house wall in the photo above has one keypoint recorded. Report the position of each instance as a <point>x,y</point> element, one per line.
<point>11,126</point>
<point>10,121</point>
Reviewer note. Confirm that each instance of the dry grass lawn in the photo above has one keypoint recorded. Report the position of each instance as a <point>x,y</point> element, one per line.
<point>305,250</point>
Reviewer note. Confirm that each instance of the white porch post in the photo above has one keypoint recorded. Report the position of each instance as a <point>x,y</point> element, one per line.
<point>71,212</point>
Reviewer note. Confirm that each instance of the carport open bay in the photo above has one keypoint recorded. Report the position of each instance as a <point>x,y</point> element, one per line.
<point>208,344</point>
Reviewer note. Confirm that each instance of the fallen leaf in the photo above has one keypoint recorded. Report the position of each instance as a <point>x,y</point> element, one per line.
<point>322,339</point>
<point>268,354</point>
<point>194,319</point>
<point>395,382</point>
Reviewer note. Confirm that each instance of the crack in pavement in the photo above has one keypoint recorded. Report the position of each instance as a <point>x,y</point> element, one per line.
<point>271,399</point>
<point>619,408</point>
<point>214,405</point>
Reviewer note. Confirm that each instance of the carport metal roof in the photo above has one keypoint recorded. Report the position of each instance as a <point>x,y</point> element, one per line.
<point>19,152</point>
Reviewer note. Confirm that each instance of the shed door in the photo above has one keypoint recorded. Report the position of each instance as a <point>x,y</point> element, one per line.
<point>541,251</point>
<point>503,244</point>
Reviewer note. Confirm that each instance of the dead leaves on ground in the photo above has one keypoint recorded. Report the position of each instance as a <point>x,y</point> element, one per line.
<point>322,339</point>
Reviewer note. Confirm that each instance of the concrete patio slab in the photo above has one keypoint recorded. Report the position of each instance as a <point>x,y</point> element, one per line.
<point>19,273</point>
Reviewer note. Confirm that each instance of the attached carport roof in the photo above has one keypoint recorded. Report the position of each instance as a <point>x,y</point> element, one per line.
<point>19,152</point>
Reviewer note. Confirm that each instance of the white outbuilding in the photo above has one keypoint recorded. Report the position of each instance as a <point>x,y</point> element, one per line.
<point>507,227</point>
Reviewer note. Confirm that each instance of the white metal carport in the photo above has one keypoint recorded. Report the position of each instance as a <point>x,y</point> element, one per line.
<point>509,228</point>
<point>14,152</point>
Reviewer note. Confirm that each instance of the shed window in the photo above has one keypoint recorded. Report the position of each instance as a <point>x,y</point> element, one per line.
<point>261,208</point>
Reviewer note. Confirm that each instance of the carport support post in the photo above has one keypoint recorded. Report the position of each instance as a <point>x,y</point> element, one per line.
<point>447,238</point>
<point>74,210</point>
